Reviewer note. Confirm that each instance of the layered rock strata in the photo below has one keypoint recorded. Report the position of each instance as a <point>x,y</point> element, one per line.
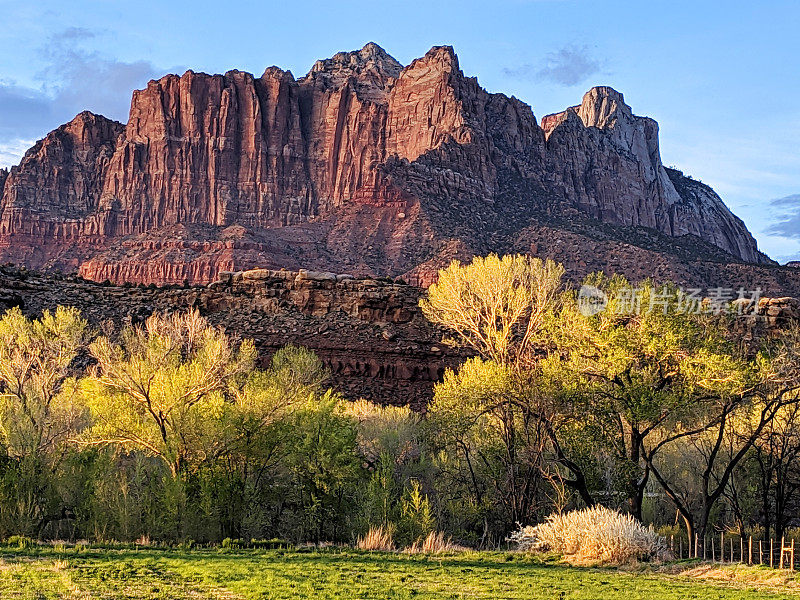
<point>362,165</point>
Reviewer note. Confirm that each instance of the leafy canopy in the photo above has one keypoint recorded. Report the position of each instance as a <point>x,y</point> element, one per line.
<point>36,410</point>
<point>497,306</point>
<point>161,387</point>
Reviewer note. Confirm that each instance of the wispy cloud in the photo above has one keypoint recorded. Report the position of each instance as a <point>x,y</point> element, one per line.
<point>84,79</point>
<point>786,212</point>
<point>75,78</point>
<point>12,150</point>
<point>570,65</point>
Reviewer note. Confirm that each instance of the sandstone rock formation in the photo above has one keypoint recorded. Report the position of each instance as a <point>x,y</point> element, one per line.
<point>363,166</point>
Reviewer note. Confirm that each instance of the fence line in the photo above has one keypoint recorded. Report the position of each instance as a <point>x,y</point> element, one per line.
<point>706,549</point>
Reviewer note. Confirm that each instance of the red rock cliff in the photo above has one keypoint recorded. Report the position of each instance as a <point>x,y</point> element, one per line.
<point>363,165</point>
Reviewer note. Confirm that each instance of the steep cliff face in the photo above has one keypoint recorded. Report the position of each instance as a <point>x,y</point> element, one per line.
<point>50,200</point>
<point>702,212</point>
<point>611,165</point>
<point>362,165</point>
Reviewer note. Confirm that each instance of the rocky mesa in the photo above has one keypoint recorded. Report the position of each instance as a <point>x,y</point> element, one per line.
<point>364,166</point>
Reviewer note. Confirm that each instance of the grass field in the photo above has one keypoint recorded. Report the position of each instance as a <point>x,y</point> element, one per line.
<point>87,573</point>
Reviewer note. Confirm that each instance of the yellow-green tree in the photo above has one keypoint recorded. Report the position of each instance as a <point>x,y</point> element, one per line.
<point>264,397</point>
<point>487,411</point>
<point>644,369</point>
<point>485,423</point>
<point>36,357</point>
<point>497,306</point>
<point>162,388</point>
<point>631,377</point>
<point>724,432</point>
<point>38,414</point>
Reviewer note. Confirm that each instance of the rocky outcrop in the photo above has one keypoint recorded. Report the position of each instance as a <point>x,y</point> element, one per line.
<point>611,165</point>
<point>702,212</point>
<point>50,200</point>
<point>369,333</point>
<point>363,165</point>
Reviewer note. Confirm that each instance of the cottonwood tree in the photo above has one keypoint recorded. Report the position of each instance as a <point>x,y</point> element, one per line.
<point>38,411</point>
<point>162,388</point>
<point>725,431</point>
<point>264,397</point>
<point>255,433</point>
<point>483,417</point>
<point>633,372</point>
<point>622,376</point>
<point>499,307</point>
<point>36,358</point>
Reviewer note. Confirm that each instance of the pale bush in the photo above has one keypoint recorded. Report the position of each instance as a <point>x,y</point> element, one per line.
<point>596,535</point>
<point>380,539</point>
<point>437,542</point>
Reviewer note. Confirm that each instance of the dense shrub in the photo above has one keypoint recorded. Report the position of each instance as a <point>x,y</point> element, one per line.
<point>593,535</point>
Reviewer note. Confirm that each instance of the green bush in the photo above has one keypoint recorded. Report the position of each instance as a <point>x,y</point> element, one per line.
<point>21,542</point>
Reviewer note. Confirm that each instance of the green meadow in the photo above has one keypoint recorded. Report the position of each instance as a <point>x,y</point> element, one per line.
<point>83,573</point>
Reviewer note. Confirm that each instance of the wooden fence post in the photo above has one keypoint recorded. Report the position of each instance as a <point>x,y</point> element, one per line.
<point>695,545</point>
<point>731,549</point>
<point>771,565</point>
<point>750,550</point>
<point>760,553</point>
<point>741,548</point>
<point>783,544</point>
<point>713,551</point>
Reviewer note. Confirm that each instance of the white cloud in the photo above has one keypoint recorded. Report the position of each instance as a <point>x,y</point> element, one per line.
<point>75,79</point>
<point>11,152</point>
<point>567,66</point>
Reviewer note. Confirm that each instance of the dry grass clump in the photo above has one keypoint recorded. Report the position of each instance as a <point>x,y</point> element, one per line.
<point>596,535</point>
<point>436,543</point>
<point>380,539</point>
<point>751,576</point>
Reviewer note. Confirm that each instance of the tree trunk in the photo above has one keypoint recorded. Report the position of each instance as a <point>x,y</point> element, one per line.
<point>690,531</point>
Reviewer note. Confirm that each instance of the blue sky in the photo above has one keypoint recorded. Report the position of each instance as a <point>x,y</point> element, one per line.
<point>721,78</point>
